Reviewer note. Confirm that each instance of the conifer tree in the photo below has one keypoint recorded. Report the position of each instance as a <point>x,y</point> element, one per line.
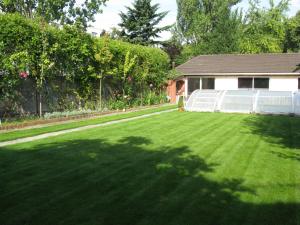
<point>140,23</point>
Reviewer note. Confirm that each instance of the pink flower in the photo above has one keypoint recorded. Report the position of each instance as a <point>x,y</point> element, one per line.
<point>23,75</point>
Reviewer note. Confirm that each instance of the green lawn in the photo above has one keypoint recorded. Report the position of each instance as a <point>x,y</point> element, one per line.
<point>12,135</point>
<point>170,169</point>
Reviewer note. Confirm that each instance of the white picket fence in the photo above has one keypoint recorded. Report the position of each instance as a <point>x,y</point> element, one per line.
<point>244,101</point>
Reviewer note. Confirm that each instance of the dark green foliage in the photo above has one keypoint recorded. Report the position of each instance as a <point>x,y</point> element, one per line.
<point>209,26</point>
<point>292,38</point>
<point>213,27</point>
<point>140,23</point>
<point>264,29</point>
<point>173,47</point>
<point>58,11</point>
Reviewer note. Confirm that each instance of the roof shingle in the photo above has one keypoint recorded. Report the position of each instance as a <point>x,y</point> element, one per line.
<point>256,63</point>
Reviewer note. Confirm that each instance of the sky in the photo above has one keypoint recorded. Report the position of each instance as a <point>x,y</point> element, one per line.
<point>110,16</point>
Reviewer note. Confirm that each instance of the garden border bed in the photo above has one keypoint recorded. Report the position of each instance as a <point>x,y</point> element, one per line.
<point>73,118</point>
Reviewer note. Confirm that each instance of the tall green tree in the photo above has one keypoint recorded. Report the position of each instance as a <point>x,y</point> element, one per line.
<point>292,38</point>
<point>264,28</point>
<point>211,26</point>
<point>140,23</point>
<point>58,11</point>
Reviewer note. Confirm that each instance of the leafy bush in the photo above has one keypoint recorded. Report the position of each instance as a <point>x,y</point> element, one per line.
<point>73,62</point>
<point>180,102</point>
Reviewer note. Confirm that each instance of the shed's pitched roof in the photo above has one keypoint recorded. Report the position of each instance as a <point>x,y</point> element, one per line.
<point>241,64</point>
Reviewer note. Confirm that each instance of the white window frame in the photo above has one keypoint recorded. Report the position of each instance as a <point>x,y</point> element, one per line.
<point>253,83</point>
<point>208,89</point>
<point>200,86</point>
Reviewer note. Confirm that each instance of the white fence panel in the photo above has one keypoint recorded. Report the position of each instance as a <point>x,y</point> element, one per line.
<point>203,101</point>
<point>245,101</point>
<point>238,101</point>
<point>297,103</point>
<point>275,102</point>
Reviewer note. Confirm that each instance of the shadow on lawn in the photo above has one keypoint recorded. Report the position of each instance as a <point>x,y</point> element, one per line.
<point>278,130</point>
<point>99,182</point>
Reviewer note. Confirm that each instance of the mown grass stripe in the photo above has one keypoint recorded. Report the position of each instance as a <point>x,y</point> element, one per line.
<point>175,168</point>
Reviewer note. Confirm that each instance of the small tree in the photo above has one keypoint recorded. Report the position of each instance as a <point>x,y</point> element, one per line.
<point>180,104</point>
<point>143,73</point>
<point>128,67</point>
<point>103,67</point>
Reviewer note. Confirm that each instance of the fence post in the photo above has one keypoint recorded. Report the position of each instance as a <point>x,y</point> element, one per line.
<point>255,101</point>
<point>221,101</point>
<point>293,102</point>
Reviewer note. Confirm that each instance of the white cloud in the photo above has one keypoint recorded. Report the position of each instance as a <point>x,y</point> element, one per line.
<point>294,7</point>
<point>295,3</point>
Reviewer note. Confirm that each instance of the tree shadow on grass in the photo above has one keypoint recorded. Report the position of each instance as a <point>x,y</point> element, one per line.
<point>278,130</point>
<point>282,130</point>
<point>288,154</point>
<point>123,183</point>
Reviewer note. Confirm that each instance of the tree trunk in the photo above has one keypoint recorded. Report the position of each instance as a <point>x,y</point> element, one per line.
<point>123,88</point>
<point>40,104</point>
<point>141,94</point>
<point>36,101</point>
<point>100,93</point>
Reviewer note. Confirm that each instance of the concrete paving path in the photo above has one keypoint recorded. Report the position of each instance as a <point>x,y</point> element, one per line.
<point>57,133</point>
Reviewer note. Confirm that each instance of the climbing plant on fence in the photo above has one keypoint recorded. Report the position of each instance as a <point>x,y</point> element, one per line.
<point>66,63</point>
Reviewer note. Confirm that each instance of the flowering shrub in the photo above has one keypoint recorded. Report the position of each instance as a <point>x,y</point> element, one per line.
<point>23,75</point>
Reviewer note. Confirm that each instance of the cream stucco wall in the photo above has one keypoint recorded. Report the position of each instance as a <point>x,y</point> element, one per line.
<point>226,83</point>
<point>277,83</point>
<point>283,84</point>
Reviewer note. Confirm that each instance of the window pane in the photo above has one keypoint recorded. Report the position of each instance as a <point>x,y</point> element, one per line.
<point>208,83</point>
<point>245,83</point>
<point>193,84</point>
<point>298,83</point>
<point>261,83</point>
